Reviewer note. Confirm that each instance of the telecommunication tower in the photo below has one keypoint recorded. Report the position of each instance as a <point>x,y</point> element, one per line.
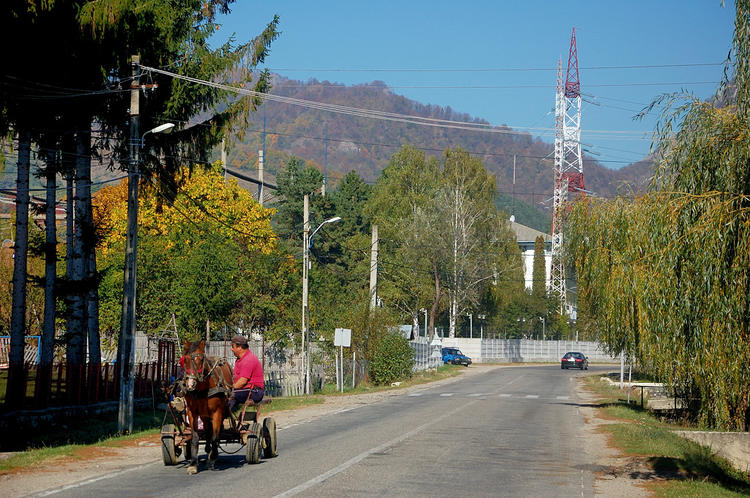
<point>568,169</point>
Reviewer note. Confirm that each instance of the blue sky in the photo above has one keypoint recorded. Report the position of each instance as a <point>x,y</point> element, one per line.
<point>497,60</point>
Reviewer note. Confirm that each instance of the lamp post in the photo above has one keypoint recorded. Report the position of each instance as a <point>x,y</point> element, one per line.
<point>128,322</point>
<point>481,325</point>
<point>308,242</point>
<point>424,310</point>
<point>544,328</point>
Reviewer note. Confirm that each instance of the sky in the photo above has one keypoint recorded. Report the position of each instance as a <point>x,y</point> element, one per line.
<point>497,60</point>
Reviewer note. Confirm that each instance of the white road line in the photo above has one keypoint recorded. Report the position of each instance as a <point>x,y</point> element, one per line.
<point>447,394</point>
<point>340,468</point>
<point>476,395</point>
<point>506,395</point>
<point>93,480</point>
<point>532,396</point>
<point>416,394</point>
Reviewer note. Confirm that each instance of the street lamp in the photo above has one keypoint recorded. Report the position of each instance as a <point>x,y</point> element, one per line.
<point>544,328</point>
<point>424,310</point>
<point>308,242</point>
<point>127,323</point>
<point>163,128</point>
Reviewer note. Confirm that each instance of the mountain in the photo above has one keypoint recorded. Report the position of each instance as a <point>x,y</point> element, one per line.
<point>365,145</point>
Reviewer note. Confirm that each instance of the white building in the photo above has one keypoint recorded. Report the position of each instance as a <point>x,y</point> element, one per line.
<point>526,238</point>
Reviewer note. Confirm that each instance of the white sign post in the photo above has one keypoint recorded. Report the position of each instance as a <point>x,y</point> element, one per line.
<point>343,339</point>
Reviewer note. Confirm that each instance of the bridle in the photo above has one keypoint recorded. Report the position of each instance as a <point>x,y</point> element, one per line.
<point>198,360</point>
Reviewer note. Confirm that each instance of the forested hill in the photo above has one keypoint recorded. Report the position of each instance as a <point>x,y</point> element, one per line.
<point>365,145</point>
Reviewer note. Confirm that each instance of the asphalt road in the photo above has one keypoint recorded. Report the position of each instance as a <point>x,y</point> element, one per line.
<point>510,432</point>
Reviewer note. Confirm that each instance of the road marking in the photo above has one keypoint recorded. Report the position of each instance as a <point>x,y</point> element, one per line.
<point>416,394</point>
<point>532,396</point>
<point>340,468</point>
<point>475,395</point>
<point>506,395</point>
<point>447,394</point>
<point>93,480</point>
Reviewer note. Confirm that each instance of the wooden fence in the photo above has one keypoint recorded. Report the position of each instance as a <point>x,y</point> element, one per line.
<point>85,384</point>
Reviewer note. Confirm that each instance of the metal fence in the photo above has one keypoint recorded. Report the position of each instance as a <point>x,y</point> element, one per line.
<point>523,350</point>
<point>426,355</point>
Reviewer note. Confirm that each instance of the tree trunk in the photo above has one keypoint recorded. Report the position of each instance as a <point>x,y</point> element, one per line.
<point>87,239</point>
<point>436,302</point>
<point>16,376</point>
<point>47,346</point>
<point>68,168</point>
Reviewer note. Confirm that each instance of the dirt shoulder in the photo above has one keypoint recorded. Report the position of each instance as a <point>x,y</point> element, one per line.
<point>616,474</point>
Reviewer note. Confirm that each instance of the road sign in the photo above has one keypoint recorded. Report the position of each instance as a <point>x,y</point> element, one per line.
<point>342,337</point>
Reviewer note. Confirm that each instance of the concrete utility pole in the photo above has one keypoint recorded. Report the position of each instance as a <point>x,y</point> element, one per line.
<point>374,268</point>
<point>127,324</point>
<point>305,288</point>
<point>260,177</point>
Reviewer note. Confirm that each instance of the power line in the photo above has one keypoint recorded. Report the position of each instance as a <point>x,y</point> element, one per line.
<point>497,69</point>
<point>493,87</point>
<point>361,112</point>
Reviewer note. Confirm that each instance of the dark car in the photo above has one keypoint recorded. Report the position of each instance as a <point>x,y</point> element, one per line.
<point>455,356</point>
<point>574,360</point>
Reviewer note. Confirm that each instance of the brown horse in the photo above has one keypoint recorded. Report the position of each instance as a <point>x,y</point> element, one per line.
<point>208,383</point>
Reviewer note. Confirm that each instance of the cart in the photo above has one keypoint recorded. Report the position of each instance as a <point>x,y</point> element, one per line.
<point>259,439</point>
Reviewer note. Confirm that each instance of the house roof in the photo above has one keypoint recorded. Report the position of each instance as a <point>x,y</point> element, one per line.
<point>527,234</point>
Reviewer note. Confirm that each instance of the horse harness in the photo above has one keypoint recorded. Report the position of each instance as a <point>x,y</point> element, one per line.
<point>220,387</point>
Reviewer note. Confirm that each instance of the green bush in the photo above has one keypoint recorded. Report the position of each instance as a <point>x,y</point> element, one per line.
<point>393,359</point>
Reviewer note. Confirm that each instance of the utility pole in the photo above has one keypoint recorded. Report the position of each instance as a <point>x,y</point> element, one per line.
<point>325,165</point>
<point>374,268</point>
<point>224,157</point>
<point>305,288</point>
<point>127,324</point>
<point>260,177</point>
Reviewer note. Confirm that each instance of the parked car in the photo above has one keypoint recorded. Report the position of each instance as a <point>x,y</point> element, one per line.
<point>455,356</point>
<point>574,360</point>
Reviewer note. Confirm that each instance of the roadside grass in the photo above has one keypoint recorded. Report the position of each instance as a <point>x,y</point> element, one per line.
<point>442,372</point>
<point>687,468</point>
<point>71,440</point>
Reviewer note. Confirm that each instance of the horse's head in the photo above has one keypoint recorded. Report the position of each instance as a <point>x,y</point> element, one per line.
<point>195,356</point>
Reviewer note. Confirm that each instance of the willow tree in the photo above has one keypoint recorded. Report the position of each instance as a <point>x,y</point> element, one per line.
<point>667,275</point>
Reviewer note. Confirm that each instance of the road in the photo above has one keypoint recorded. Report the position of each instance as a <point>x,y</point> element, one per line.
<point>509,432</point>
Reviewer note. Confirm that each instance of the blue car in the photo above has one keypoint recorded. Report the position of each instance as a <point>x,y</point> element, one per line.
<point>455,356</point>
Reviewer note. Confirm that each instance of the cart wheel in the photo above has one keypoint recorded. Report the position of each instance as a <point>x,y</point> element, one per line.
<point>254,444</point>
<point>167,445</point>
<point>269,438</point>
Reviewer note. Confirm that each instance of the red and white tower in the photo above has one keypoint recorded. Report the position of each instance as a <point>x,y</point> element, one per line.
<point>568,173</point>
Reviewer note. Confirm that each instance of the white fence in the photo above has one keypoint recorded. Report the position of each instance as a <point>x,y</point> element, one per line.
<point>522,350</point>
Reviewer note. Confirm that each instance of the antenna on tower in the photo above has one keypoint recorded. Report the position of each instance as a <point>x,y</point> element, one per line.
<point>568,173</point>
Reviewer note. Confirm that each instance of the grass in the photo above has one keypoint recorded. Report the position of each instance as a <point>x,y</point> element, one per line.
<point>442,372</point>
<point>688,468</point>
<point>71,440</point>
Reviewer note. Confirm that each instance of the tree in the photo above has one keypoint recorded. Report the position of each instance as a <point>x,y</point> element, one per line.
<point>664,276</point>
<point>539,275</point>
<point>403,207</point>
<point>94,43</point>
<point>473,229</point>
<point>198,253</point>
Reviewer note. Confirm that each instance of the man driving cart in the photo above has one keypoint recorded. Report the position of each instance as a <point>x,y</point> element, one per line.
<point>248,374</point>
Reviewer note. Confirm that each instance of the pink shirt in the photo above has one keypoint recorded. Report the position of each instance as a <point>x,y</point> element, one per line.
<point>249,367</point>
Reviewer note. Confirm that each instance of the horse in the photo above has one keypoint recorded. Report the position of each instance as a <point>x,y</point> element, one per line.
<point>208,382</point>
